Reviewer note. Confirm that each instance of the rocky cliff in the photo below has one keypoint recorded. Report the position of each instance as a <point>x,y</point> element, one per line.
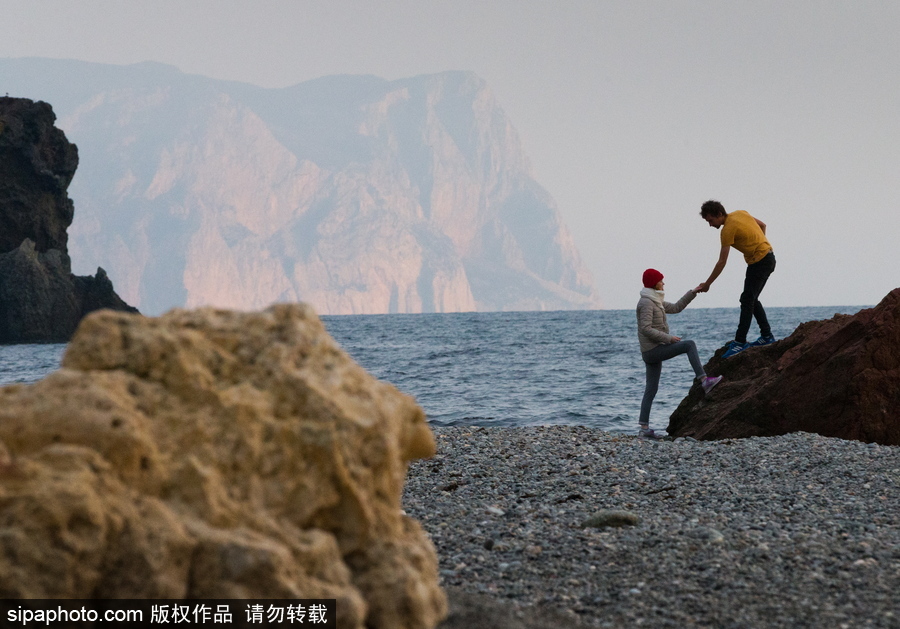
<point>212,454</point>
<point>352,193</point>
<point>838,378</point>
<point>40,299</point>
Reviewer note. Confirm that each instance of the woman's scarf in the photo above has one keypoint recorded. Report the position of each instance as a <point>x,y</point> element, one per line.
<point>656,295</point>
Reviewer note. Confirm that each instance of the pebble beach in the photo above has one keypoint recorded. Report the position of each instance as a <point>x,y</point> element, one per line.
<point>581,527</point>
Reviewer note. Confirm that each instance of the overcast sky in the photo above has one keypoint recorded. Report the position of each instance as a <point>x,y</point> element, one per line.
<point>633,113</point>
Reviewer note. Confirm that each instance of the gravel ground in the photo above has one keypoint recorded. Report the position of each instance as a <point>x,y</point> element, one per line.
<point>792,531</point>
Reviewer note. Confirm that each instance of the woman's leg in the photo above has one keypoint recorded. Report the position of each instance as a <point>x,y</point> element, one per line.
<point>653,371</point>
<point>665,352</point>
<point>694,357</point>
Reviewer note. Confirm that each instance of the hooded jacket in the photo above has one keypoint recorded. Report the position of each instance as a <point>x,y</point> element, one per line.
<point>653,328</point>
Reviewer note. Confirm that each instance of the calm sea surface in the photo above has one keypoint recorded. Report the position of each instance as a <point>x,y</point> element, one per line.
<point>510,369</point>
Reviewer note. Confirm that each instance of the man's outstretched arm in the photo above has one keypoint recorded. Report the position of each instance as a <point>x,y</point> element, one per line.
<point>717,270</point>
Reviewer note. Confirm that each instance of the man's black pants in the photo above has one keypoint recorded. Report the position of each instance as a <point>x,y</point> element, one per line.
<point>755,280</point>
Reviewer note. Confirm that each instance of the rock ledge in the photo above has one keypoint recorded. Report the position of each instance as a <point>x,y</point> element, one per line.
<point>836,378</point>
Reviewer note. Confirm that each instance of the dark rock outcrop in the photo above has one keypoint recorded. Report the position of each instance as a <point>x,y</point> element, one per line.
<point>40,299</point>
<point>37,164</point>
<point>838,378</point>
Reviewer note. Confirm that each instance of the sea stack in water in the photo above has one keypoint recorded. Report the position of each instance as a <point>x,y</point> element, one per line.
<point>215,454</point>
<point>40,299</point>
<point>837,378</point>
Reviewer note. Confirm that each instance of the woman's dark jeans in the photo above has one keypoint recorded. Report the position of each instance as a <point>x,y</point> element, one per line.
<point>654,359</point>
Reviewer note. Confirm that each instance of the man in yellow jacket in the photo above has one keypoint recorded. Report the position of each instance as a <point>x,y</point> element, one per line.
<point>748,235</point>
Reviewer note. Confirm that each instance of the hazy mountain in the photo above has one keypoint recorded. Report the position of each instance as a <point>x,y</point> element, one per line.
<point>353,193</point>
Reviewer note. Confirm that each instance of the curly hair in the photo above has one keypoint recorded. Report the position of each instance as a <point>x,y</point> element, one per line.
<point>712,208</point>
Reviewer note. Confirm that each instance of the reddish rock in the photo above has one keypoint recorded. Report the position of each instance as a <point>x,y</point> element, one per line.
<point>838,377</point>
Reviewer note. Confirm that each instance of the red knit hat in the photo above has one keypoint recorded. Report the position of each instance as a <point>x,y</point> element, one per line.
<point>652,277</point>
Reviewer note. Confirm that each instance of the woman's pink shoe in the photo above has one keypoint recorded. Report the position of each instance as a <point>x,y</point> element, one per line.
<point>708,383</point>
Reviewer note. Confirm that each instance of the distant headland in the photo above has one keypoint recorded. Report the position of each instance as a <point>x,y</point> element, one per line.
<point>355,194</point>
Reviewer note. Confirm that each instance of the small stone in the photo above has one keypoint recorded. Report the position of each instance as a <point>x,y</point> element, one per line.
<point>710,535</point>
<point>495,511</point>
<point>611,517</point>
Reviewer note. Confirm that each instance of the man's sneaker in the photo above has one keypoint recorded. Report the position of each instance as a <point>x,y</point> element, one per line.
<point>733,348</point>
<point>648,433</point>
<point>763,340</point>
<point>709,382</point>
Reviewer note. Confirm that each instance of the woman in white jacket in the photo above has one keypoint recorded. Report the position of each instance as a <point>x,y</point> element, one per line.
<point>658,345</point>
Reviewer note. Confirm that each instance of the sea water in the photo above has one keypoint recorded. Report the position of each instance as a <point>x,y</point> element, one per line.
<point>510,368</point>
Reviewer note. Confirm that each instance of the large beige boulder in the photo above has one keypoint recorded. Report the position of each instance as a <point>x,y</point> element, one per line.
<point>215,454</point>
